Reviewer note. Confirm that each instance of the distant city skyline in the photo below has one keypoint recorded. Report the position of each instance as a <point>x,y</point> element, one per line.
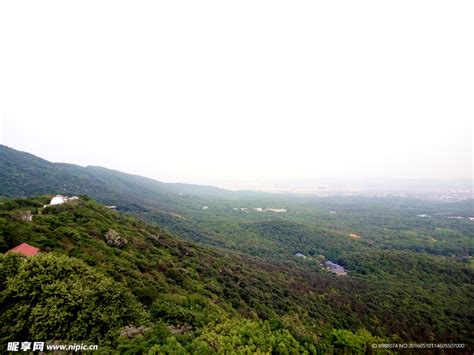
<point>269,91</point>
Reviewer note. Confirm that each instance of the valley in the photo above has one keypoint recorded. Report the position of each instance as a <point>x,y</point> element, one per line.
<point>228,276</point>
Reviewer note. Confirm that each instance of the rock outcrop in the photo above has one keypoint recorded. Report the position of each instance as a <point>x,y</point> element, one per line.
<point>114,239</point>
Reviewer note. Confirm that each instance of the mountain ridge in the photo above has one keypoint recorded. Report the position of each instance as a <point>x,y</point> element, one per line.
<point>30,175</point>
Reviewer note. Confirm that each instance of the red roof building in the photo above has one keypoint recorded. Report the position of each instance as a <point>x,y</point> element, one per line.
<point>24,249</point>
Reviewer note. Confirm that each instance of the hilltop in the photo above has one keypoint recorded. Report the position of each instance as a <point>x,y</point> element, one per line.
<point>23,175</point>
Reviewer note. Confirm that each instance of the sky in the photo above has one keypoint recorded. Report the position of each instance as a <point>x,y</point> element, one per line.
<point>207,91</point>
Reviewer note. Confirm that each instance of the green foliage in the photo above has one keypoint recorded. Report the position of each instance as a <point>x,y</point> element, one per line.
<point>194,295</point>
<point>52,296</point>
<point>355,343</point>
<point>171,346</point>
<point>23,174</point>
<point>246,336</point>
<point>194,310</point>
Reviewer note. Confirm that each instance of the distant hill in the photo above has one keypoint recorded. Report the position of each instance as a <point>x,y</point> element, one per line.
<point>23,175</point>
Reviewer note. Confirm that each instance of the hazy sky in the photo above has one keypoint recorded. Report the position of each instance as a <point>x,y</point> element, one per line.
<point>201,91</point>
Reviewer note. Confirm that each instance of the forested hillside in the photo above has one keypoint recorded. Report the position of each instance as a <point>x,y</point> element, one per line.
<point>23,174</point>
<point>185,297</point>
<point>185,268</point>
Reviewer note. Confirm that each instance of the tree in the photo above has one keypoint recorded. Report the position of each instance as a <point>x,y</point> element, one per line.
<point>55,297</point>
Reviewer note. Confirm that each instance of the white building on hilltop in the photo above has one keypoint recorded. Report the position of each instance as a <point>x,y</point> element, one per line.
<point>60,199</point>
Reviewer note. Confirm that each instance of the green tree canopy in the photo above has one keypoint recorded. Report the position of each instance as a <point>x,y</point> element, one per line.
<point>51,297</point>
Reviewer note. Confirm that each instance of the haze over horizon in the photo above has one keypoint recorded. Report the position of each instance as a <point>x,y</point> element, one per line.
<point>266,92</point>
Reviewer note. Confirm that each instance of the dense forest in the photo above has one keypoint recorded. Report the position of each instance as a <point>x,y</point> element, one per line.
<point>178,268</point>
<point>176,296</point>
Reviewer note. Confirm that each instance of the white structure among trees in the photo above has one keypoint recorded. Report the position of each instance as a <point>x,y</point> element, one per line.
<point>60,199</point>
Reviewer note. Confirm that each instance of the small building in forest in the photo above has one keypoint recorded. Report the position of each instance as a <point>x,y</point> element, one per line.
<point>24,249</point>
<point>335,268</point>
